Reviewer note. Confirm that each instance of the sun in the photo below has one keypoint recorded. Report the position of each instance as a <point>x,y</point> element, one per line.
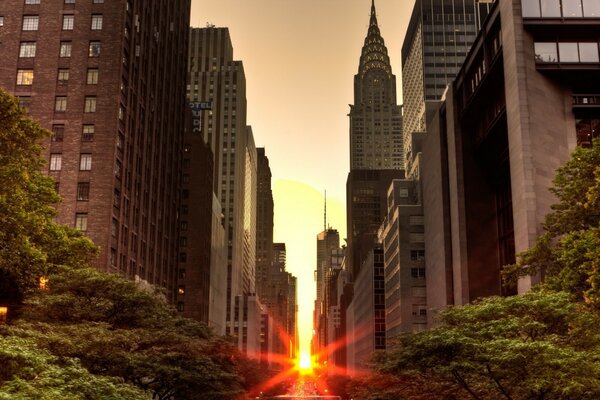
<point>304,364</point>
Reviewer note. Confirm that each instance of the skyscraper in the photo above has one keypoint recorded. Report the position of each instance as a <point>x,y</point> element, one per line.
<point>439,36</point>
<point>216,79</point>
<point>264,223</point>
<point>376,155</point>
<point>108,80</point>
<point>375,116</point>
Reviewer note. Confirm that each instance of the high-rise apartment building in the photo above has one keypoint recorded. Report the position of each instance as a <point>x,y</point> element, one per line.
<point>527,94</point>
<point>216,79</point>
<point>439,36</point>
<point>107,78</point>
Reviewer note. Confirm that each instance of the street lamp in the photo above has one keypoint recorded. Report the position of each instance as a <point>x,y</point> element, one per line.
<point>3,314</point>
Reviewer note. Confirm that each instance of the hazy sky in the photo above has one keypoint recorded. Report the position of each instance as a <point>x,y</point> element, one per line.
<point>300,58</point>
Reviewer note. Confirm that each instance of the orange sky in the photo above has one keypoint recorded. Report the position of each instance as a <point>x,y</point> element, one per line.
<point>300,57</point>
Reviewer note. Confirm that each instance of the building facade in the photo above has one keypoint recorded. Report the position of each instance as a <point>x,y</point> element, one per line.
<point>216,79</point>
<point>107,79</point>
<point>402,236</point>
<point>527,94</point>
<point>439,36</point>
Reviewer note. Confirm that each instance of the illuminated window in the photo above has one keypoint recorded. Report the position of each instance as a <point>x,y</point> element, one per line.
<point>181,290</point>
<point>94,49</point>
<point>25,77</point>
<point>88,133</point>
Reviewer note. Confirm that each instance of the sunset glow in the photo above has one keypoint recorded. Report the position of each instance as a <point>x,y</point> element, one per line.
<point>304,364</point>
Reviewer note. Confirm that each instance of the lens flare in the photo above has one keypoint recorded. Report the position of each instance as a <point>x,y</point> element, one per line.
<point>305,362</point>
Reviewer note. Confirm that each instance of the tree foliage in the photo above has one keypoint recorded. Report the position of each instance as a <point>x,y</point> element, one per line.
<point>31,243</point>
<point>119,329</point>
<point>568,253</point>
<point>30,372</point>
<point>535,346</point>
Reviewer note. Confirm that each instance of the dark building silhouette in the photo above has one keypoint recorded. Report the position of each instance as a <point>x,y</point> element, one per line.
<point>108,79</point>
<point>219,80</point>
<point>527,94</point>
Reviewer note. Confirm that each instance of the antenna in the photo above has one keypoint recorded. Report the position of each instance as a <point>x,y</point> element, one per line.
<point>325,213</point>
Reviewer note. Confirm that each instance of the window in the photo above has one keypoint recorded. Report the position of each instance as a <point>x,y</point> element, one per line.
<point>27,49</point>
<point>403,193</point>
<point>591,9</point>
<point>546,52</point>
<point>417,272</point>
<point>568,52</point>
<point>92,76</point>
<point>98,1</point>
<point>68,22</point>
<point>83,191</point>
<point>416,237</point>
<point>1,21</point>
<point>25,77</point>
<point>63,75</point>
<point>181,290</point>
<point>180,306</point>
<point>81,220</point>
<point>60,104</point>
<point>416,220</point>
<point>419,291</point>
<point>90,104</point>
<point>87,135</point>
<point>65,49</point>
<point>94,49</point>
<point>97,22</point>
<point>55,162</point>
<point>69,1</point>
<point>114,228</point>
<point>588,52</point>
<point>31,22</point>
<point>417,255</point>
<point>58,133</point>
<point>85,162</point>
<point>550,8</point>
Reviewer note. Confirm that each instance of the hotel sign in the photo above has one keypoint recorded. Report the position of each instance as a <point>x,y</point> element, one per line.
<point>197,109</point>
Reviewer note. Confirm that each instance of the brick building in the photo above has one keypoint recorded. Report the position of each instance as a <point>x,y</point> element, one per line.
<point>108,78</point>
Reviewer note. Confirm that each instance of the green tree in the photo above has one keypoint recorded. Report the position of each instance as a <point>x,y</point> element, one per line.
<point>537,346</point>
<point>29,372</point>
<point>31,243</point>
<point>119,329</point>
<point>568,252</point>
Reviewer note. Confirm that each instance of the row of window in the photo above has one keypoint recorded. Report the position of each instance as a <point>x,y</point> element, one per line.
<point>85,162</point>
<point>65,1</point>
<point>60,104</point>
<point>561,8</point>
<point>567,52</point>
<point>32,22</point>
<point>87,134</point>
<point>29,49</point>
<point>25,76</point>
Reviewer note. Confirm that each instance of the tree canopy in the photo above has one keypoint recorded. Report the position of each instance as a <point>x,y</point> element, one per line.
<point>31,243</point>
